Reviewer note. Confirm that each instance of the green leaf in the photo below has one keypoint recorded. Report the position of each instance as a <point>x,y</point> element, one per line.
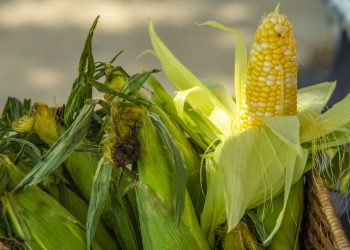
<point>240,60</point>
<point>154,194</point>
<point>165,101</point>
<point>313,99</point>
<point>335,168</point>
<point>335,119</point>
<point>288,234</point>
<point>185,81</point>
<point>62,148</point>
<point>4,179</point>
<point>213,214</point>
<point>136,81</point>
<point>14,109</point>
<point>82,147</point>
<point>31,149</point>
<point>218,121</point>
<point>124,220</point>
<point>177,160</point>
<point>177,73</point>
<point>81,90</point>
<point>277,125</point>
<point>99,194</point>
<point>258,226</point>
<point>221,94</point>
<point>105,89</point>
<point>256,165</point>
<point>190,157</point>
<point>158,228</point>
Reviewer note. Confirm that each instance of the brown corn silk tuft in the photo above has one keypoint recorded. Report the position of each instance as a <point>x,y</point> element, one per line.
<point>271,83</point>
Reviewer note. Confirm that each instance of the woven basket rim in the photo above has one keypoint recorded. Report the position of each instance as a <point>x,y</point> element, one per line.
<point>329,211</point>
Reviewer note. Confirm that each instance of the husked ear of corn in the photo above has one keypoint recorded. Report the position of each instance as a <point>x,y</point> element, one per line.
<point>273,150</point>
<point>271,82</point>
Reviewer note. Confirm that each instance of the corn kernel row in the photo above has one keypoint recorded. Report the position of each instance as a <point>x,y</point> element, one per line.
<point>271,83</point>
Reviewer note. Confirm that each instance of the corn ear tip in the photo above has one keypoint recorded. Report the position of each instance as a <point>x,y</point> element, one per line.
<point>277,8</point>
<point>24,124</point>
<point>151,25</point>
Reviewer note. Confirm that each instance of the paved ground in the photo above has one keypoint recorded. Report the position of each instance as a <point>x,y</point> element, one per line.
<point>40,41</point>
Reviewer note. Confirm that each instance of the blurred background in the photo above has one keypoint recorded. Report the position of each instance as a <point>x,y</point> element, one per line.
<point>41,40</point>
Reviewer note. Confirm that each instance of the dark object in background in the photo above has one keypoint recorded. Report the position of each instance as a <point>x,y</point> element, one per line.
<point>340,69</point>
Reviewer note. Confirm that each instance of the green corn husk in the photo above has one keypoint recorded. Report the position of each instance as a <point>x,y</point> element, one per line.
<point>81,166</point>
<point>287,236</point>
<point>191,160</point>
<point>79,208</point>
<point>42,121</point>
<point>37,219</point>
<point>154,198</point>
<point>75,205</point>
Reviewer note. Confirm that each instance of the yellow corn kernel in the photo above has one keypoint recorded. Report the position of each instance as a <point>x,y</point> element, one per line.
<point>271,71</point>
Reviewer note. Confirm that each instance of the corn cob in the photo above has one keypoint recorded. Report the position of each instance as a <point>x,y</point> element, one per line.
<point>271,82</point>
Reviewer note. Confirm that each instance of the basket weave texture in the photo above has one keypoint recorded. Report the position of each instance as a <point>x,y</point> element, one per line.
<point>321,228</point>
<point>3,246</point>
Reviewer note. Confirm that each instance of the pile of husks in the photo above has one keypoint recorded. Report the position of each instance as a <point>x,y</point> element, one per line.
<point>141,169</point>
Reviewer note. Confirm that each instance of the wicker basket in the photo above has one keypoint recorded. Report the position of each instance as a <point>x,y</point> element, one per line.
<point>3,246</point>
<point>321,228</point>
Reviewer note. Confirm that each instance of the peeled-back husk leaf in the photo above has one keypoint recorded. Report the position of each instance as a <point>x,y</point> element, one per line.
<point>314,98</point>
<point>335,119</point>
<point>177,73</point>
<point>256,165</point>
<point>213,214</point>
<point>216,119</point>
<point>184,80</point>
<point>190,158</point>
<point>163,99</point>
<point>99,194</point>
<point>176,160</point>
<point>221,94</point>
<point>240,61</point>
<point>154,194</point>
<point>288,234</point>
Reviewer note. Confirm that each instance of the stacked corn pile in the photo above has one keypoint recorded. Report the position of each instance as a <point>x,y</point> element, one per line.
<point>202,170</point>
